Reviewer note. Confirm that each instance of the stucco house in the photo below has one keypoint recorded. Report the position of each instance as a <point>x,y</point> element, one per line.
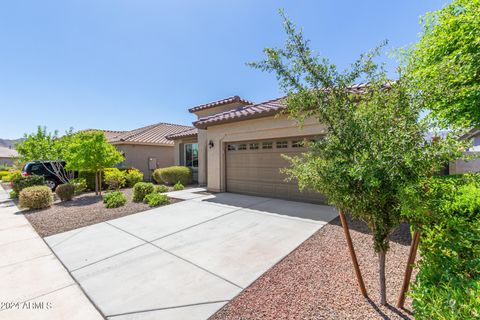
<point>146,148</point>
<point>236,146</point>
<point>8,156</point>
<point>472,164</point>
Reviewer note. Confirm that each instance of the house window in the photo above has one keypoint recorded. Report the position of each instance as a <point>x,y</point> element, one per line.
<point>254,146</point>
<point>231,147</point>
<point>191,155</point>
<point>267,145</point>
<point>242,146</point>
<point>282,144</point>
<point>297,144</point>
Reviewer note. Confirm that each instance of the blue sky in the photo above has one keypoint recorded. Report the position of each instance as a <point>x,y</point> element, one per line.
<point>122,64</point>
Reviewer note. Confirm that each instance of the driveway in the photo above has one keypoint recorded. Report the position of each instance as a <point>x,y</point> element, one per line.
<point>188,259</point>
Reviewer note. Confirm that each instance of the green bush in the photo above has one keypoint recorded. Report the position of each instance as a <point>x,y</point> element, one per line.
<point>114,178</point>
<point>447,285</point>
<point>89,177</point>
<point>11,175</point>
<point>19,183</point>
<point>37,197</point>
<point>3,173</point>
<point>161,188</point>
<point>141,189</point>
<point>114,199</point>
<point>5,168</point>
<point>178,186</point>
<point>13,194</point>
<point>79,184</point>
<point>156,199</point>
<point>133,176</point>
<point>65,191</point>
<point>172,175</point>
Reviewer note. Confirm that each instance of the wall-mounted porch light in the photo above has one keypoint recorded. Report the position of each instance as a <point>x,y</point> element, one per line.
<point>210,144</point>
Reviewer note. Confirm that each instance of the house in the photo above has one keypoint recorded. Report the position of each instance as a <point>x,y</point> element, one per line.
<point>473,153</point>
<point>146,148</point>
<point>237,146</point>
<point>8,156</point>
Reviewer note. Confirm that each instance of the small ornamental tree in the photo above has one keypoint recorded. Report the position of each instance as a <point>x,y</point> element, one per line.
<point>374,144</point>
<point>444,66</point>
<point>90,151</point>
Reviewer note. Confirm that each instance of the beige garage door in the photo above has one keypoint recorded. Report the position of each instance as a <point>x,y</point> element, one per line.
<point>254,168</point>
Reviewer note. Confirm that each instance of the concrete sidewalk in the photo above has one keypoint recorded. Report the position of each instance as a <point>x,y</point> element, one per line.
<point>34,284</point>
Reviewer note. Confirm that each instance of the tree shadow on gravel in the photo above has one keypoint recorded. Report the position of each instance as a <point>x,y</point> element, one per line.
<point>404,315</point>
<point>400,235</point>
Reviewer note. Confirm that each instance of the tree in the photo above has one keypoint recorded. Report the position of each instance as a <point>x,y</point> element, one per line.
<point>444,67</point>
<point>44,146</point>
<point>374,143</point>
<point>90,151</point>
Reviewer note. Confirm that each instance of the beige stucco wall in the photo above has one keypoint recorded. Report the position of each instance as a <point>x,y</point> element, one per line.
<point>138,156</point>
<point>255,129</point>
<point>464,166</point>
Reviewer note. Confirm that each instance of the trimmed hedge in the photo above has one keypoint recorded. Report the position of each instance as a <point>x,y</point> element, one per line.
<point>37,197</point>
<point>172,175</point>
<point>141,189</point>
<point>65,191</point>
<point>79,184</point>
<point>19,183</point>
<point>114,178</point>
<point>161,188</point>
<point>178,186</point>
<point>3,173</point>
<point>11,175</point>
<point>133,176</point>
<point>114,199</point>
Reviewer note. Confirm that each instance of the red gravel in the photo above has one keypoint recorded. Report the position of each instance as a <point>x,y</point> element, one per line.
<point>317,280</point>
<point>84,210</point>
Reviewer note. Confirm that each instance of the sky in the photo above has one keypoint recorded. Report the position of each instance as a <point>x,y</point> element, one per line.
<point>124,64</point>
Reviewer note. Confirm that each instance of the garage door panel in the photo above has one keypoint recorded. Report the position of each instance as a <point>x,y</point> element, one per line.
<point>257,172</point>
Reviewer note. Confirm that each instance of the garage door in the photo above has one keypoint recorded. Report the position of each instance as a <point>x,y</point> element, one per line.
<point>254,168</point>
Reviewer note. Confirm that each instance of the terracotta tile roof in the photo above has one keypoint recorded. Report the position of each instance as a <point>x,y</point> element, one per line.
<point>191,132</point>
<point>258,110</point>
<point>219,103</point>
<point>153,134</point>
<point>109,134</point>
<point>8,153</point>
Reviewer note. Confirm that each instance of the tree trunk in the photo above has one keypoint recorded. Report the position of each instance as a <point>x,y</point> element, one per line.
<point>100,181</point>
<point>96,183</point>
<point>409,269</point>
<point>383,285</point>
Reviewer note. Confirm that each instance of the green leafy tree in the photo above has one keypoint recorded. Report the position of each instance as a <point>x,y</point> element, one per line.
<point>90,151</point>
<point>373,145</point>
<point>444,67</point>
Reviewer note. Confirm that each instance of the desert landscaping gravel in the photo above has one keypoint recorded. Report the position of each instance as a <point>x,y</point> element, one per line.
<point>317,280</point>
<point>85,209</point>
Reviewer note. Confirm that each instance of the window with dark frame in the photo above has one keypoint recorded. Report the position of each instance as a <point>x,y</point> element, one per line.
<point>231,147</point>
<point>282,144</point>
<point>242,146</point>
<point>254,146</point>
<point>297,144</point>
<point>267,145</point>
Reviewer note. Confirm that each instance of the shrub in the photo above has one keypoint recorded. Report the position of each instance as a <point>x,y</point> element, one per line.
<point>447,285</point>
<point>11,175</point>
<point>114,199</point>
<point>37,197</point>
<point>3,173</point>
<point>155,199</point>
<point>89,177</point>
<point>161,188</point>
<point>65,191</point>
<point>5,168</point>
<point>141,189</point>
<point>178,186</point>
<point>171,175</point>
<point>13,194</point>
<point>79,184</point>
<point>19,182</point>
<point>114,178</point>
<point>133,176</point>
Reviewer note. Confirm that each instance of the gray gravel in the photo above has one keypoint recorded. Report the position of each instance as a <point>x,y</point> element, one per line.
<point>317,280</point>
<point>85,209</point>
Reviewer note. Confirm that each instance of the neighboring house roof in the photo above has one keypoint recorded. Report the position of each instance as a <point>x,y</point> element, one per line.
<point>109,134</point>
<point>8,153</point>
<point>191,132</point>
<point>471,133</point>
<point>253,111</point>
<point>219,103</point>
<point>153,134</point>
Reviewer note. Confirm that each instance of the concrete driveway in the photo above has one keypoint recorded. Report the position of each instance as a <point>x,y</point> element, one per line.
<point>188,259</point>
